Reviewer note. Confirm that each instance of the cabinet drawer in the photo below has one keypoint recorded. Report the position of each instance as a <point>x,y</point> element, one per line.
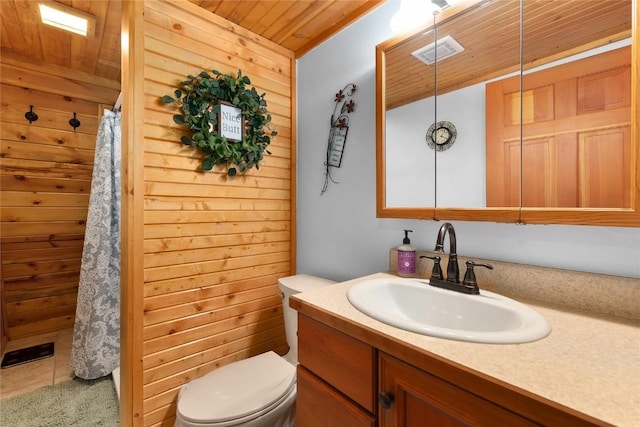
<point>319,405</point>
<point>340,360</point>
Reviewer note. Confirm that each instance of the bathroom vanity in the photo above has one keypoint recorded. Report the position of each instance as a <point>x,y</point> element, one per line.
<point>357,371</point>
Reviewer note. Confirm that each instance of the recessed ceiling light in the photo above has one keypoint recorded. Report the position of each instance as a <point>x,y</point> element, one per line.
<point>67,18</point>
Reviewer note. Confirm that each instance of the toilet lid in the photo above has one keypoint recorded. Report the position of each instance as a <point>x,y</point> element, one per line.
<point>237,390</point>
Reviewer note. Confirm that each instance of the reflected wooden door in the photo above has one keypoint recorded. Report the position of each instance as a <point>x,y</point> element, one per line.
<point>576,135</point>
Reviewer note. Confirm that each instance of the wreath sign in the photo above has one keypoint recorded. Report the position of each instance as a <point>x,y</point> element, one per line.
<point>202,99</point>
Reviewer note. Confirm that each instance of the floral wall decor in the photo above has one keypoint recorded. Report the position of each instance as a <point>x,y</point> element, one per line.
<point>338,132</point>
<point>227,121</point>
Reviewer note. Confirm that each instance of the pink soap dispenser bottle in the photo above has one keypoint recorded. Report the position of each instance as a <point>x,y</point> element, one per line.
<point>406,257</point>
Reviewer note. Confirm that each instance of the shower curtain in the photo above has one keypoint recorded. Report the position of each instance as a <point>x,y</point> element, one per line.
<point>96,334</point>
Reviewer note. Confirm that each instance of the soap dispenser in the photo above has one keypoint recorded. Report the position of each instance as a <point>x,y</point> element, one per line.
<point>406,257</point>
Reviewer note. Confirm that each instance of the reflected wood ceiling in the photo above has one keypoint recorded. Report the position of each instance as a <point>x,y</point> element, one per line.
<point>298,25</point>
<point>490,31</point>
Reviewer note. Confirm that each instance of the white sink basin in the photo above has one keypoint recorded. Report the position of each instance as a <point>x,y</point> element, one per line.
<point>416,306</point>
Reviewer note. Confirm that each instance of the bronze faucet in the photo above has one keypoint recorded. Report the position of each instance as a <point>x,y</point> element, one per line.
<point>453,271</point>
<point>468,285</point>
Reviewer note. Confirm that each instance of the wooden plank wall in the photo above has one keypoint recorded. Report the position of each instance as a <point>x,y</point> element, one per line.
<point>214,247</point>
<point>45,183</point>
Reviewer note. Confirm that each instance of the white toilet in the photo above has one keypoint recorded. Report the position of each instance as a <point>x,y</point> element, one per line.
<point>255,392</point>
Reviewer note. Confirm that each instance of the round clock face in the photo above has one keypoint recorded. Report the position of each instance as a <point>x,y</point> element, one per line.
<point>441,135</point>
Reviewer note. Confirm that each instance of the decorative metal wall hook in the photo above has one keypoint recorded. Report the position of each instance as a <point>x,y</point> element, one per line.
<point>338,132</point>
<point>74,122</point>
<point>30,115</point>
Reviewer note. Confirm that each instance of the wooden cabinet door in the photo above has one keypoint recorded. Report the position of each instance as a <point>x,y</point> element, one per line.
<point>340,360</point>
<point>421,399</point>
<point>575,122</point>
<point>320,405</point>
<point>4,337</point>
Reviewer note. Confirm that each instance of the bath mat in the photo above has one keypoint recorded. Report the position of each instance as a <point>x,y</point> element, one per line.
<point>29,354</point>
<point>73,403</point>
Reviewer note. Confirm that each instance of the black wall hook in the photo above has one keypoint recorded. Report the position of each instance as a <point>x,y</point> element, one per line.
<point>30,115</point>
<point>74,122</point>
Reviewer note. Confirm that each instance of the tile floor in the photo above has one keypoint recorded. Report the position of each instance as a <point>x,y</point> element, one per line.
<point>26,377</point>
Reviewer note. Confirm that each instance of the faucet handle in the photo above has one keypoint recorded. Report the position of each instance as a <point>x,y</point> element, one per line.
<point>436,272</point>
<point>470,275</point>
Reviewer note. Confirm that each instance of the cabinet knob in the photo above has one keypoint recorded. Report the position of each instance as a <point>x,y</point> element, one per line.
<point>386,399</point>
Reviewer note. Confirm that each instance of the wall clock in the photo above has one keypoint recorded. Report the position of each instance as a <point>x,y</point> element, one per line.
<point>441,135</point>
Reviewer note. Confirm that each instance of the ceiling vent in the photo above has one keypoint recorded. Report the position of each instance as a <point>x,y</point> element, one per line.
<point>447,46</point>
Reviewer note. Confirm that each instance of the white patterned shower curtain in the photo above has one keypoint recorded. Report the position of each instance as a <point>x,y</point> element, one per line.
<point>96,335</point>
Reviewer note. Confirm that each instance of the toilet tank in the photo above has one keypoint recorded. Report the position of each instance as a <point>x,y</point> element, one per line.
<point>292,285</point>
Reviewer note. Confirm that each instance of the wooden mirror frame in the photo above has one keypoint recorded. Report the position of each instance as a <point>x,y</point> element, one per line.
<point>576,216</point>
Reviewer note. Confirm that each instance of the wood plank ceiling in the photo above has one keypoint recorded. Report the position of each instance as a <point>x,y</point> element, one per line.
<point>298,25</point>
<point>490,35</point>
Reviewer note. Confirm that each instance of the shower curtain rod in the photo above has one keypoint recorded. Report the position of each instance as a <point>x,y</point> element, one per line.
<point>118,103</point>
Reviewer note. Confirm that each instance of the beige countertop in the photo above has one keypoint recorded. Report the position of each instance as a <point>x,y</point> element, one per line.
<point>589,364</point>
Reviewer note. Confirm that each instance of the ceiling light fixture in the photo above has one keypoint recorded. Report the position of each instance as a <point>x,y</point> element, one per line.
<point>412,14</point>
<point>67,18</point>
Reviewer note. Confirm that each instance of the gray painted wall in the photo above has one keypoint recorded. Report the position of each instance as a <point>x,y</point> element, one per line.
<point>339,236</point>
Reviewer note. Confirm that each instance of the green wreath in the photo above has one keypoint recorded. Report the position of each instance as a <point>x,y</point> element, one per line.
<point>200,99</point>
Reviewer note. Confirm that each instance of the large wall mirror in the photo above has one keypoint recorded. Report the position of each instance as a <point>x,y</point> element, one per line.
<point>529,114</point>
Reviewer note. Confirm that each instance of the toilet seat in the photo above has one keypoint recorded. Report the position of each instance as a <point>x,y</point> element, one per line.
<point>238,392</point>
